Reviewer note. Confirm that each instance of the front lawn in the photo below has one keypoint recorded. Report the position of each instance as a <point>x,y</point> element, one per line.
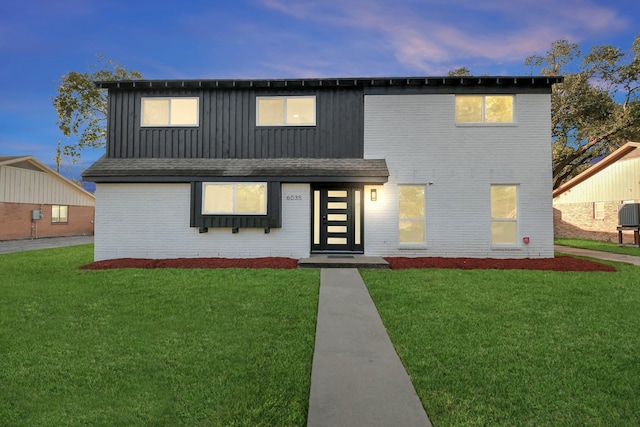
<point>152,347</point>
<point>517,348</point>
<point>596,245</point>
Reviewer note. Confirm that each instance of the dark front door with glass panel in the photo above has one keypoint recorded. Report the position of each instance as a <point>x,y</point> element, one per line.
<point>337,219</point>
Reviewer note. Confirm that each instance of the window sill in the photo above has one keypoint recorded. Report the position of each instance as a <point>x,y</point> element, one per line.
<point>483,125</point>
<point>507,248</point>
<point>286,126</point>
<point>143,127</point>
<point>412,248</point>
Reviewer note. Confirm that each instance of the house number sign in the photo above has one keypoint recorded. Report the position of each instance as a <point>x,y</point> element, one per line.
<point>294,197</point>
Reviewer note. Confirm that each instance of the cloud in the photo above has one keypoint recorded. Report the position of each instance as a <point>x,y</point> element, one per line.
<point>428,36</point>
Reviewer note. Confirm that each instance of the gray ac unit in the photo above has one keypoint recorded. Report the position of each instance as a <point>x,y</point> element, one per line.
<point>629,215</point>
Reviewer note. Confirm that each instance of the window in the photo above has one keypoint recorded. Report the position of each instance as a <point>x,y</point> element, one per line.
<point>598,210</point>
<point>286,111</point>
<point>484,108</point>
<point>504,214</point>
<point>170,111</point>
<point>228,198</point>
<point>59,214</point>
<point>411,214</point>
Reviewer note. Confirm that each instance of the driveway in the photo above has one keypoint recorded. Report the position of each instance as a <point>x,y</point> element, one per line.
<point>9,246</point>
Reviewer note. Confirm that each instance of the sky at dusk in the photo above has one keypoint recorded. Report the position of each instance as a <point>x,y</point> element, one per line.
<point>40,40</point>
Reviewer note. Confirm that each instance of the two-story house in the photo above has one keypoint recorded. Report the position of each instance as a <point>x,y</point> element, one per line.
<point>435,166</point>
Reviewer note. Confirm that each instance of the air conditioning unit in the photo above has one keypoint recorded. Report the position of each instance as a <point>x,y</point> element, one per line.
<point>629,215</point>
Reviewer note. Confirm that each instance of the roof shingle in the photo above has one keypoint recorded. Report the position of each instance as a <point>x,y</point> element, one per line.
<point>285,169</point>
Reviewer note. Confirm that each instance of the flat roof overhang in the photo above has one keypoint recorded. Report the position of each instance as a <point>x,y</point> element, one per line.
<point>300,170</point>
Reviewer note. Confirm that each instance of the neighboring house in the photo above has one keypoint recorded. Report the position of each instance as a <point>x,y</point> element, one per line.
<point>443,166</point>
<point>36,201</point>
<point>587,206</point>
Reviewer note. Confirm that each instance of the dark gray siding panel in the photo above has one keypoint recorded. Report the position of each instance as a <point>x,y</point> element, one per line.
<point>228,130</point>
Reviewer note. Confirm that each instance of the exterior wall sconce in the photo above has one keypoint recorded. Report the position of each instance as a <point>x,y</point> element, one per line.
<point>374,194</point>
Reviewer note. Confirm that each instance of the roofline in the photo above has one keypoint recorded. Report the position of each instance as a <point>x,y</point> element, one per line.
<point>438,81</point>
<point>45,169</point>
<point>602,164</point>
<point>9,160</point>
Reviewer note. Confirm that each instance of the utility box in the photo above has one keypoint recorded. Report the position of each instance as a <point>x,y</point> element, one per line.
<point>36,214</point>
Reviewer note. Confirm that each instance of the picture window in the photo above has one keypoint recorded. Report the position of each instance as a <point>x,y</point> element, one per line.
<point>228,198</point>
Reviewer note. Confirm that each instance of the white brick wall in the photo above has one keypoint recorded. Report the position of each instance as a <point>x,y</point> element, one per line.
<point>152,221</point>
<point>418,137</point>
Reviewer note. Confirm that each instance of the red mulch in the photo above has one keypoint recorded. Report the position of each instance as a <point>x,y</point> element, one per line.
<point>561,263</point>
<point>271,262</point>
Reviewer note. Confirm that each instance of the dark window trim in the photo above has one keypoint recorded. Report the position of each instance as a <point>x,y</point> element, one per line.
<point>273,218</point>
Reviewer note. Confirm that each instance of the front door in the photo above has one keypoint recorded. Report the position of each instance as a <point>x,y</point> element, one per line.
<point>337,219</point>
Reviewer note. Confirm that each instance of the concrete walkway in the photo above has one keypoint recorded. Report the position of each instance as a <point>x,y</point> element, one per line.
<point>357,377</point>
<point>10,246</point>
<point>608,256</point>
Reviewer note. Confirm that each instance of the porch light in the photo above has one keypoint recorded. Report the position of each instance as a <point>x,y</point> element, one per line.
<point>374,194</point>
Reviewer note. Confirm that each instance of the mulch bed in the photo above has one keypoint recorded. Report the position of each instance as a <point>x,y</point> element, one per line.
<point>270,262</point>
<point>561,263</point>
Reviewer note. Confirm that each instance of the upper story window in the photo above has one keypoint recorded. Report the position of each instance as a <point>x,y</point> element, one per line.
<point>484,108</point>
<point>234,198</point>
<point>170,111</point>
<point>286,111</point>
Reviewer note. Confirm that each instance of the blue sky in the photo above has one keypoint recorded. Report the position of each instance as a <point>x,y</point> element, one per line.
<point>40,40</point>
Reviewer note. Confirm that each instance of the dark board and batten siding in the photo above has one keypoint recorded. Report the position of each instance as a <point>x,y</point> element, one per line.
<point>228,127</point>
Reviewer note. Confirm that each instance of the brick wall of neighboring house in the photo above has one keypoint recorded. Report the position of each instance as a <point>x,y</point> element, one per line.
<point>576,221</point>
<point>16,223</point>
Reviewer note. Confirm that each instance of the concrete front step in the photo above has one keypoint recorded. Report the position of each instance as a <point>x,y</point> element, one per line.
<point>342,261</point>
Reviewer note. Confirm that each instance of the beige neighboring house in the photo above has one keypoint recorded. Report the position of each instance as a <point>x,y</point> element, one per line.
<point>36,201</point>
<point>587,206</point>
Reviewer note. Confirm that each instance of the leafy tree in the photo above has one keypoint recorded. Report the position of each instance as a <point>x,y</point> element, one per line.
<point>459,72</point>
<point>82,107</point>
<point>596,109</point>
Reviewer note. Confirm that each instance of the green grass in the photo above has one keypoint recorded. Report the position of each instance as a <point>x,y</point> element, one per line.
<point>164,347</point>
<point>525,348</point>
<point>599,246</point>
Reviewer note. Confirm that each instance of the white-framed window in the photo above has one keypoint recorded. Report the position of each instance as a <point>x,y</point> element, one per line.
<point>179,111</point>
<point>286,111</point>
<point>234,198</point>
<point>59,214</point>
<point>411,217</point>
<point>484,108</point>
<point>504,214</point>
<point>598,210</point>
